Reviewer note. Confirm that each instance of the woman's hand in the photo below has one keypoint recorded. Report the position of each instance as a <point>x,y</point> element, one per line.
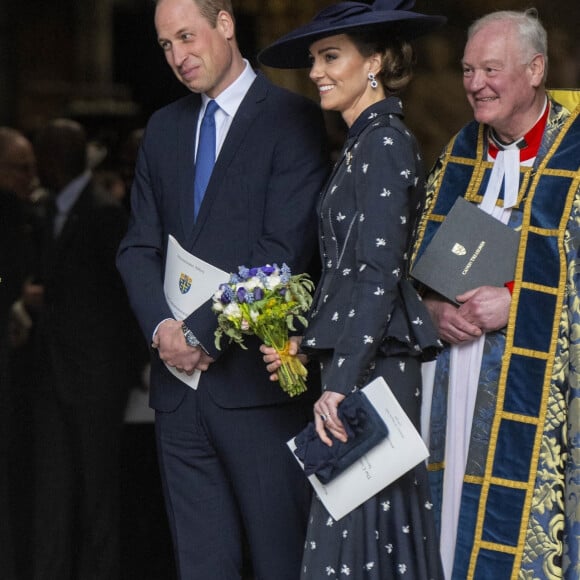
<point>326,417</point>
<point>272,358</point>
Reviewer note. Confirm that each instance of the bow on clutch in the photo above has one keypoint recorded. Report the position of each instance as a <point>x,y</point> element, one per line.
<point>364,428</point>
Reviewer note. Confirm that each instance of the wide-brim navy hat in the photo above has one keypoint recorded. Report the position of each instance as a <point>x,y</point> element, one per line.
<point>391,16</point>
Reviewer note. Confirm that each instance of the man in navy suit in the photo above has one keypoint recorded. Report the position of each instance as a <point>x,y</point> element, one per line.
<point>226,470</point>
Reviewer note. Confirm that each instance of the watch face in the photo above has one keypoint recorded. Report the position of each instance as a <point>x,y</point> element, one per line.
<point>189,337</point>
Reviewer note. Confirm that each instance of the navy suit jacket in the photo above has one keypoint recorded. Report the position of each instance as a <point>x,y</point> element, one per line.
<point>259,208</point>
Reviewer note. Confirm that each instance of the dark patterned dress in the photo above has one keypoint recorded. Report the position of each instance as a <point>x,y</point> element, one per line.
<point>362,326</point>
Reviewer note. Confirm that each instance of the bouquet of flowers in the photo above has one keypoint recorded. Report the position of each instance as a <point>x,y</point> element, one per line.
<point>265,302</point>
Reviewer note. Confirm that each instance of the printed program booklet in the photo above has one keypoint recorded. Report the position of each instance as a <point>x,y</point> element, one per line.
<point>402,450</point>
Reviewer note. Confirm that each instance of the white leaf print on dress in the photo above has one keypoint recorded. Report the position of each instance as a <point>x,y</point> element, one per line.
<point>368,339</point>
<point>365,167</point>
<point>335,317</point>
<point>345,570</point>
<point>388,141</point>
<point>386,192</point>
<point>406,173</point>
<point>379,291</point>
<point>340,217</point>
<point>340,361</point>
<point>381,242</point>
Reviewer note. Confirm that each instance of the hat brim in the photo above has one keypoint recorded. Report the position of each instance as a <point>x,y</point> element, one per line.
<point>292,50</point>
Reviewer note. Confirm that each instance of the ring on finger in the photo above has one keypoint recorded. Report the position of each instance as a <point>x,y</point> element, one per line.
<point>323,417</point>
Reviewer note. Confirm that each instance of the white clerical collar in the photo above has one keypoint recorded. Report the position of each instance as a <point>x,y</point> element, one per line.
<point>506,168</point>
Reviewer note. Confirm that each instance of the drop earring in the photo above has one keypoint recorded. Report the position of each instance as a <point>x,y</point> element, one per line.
<point>373,80</point>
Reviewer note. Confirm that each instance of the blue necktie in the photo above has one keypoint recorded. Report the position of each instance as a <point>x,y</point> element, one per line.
<point>205,158</point>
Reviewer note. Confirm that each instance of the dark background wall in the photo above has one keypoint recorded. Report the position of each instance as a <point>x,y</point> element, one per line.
<point>98,61</point>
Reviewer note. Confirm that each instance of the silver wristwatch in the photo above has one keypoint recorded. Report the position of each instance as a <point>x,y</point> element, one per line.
<point>190,338</point>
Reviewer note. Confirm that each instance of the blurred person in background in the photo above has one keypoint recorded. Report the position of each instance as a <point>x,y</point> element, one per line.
<point>86,348</point>
<point>17,173</point>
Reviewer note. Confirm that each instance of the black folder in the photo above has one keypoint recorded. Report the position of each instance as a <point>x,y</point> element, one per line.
<point>470,249</point>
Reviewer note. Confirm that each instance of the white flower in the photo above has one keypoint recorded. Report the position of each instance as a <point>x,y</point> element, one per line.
<point>396,272</point>
<point>368,339</point>
<point>428,505</point>
<point>389,548</point>
<point>379,291</point>
<point>402,568</point>
<point>388,141</point>
<point>232,310</point>
<point>369,566</point>
<point>330,571</point>
<point>386,505</point>
<point>403,219</point>
<point>417,321</point>
<point>345,570</point>
<point>217,305</point>
<point>351,313</point>
<point>329,523</point>
<point>381,242</point>
<point>254,315</point>
<point>406,173</point>
<point>386,193</point>
<point>406,529</point>
<point>272,281</point>
<point>313,545</point>
<point>340,217</point>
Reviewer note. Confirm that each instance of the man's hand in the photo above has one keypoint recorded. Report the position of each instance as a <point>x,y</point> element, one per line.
<point>451,325</point>
<point>174,351</point>
<point>487,307</point>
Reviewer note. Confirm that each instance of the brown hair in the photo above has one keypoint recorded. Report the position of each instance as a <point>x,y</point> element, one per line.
<point>211,8</point>
<point>398,57</point>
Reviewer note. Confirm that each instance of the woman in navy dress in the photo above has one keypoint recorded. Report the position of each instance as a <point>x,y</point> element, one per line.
<point>360,325</point>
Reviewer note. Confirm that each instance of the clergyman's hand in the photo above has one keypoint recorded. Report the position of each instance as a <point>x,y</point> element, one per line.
<point>451,325</point>
<point>487,307</point>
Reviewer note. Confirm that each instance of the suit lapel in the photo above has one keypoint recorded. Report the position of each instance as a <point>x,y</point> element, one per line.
<point>240,127</point>
<point>185,149</point>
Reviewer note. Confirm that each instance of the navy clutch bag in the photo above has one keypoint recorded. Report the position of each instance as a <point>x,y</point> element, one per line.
<point>364,428</point>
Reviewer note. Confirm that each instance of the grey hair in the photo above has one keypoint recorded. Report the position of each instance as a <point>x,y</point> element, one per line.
<point>533,37</point>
